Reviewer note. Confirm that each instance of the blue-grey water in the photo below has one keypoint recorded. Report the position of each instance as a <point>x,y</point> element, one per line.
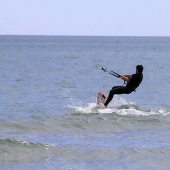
<point>48,115</point>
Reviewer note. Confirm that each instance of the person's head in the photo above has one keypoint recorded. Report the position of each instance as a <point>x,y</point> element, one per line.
<point>139,68</point>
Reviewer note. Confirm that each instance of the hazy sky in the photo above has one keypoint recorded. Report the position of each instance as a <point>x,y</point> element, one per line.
<point>85,17</point>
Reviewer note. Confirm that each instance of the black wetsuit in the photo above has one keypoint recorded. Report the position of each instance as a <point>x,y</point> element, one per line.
<point>133,83</point>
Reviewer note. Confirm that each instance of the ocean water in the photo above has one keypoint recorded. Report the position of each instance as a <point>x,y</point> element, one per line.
<point>48,115</point>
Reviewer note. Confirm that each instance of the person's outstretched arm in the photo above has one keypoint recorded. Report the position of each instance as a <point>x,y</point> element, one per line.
<point>126,77</point>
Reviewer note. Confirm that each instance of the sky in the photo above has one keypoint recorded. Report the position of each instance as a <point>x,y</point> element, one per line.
<point>85,17</point>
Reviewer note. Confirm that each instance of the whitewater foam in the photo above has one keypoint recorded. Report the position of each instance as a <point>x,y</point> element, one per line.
<point>120,106</point>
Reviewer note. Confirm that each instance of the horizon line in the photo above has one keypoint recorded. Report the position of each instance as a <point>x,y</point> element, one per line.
<point>84,35</point>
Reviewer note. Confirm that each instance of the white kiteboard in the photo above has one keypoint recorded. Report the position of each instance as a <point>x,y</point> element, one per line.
<point>100,99</point>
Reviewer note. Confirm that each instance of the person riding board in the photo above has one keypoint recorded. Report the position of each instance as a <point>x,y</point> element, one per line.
<point>133,81</point>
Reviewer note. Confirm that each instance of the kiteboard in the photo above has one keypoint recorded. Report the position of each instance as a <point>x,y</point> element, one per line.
<point>100,99</point>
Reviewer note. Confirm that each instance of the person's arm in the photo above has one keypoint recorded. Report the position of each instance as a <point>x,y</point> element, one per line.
<point>126,77</point>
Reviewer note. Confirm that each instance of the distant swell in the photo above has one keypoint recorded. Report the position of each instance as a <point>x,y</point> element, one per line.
<point>12,150</point>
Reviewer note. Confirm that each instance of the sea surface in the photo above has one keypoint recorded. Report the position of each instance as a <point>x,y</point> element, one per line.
<point>48,113</point>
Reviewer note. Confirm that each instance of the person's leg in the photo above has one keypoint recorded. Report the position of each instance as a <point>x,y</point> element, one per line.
<point>115,87</point>
<point>115,90</point>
